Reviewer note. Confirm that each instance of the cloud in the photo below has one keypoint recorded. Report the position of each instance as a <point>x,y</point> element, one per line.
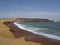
<point>48,15</point>
<point>23,7</point>
<point>17,5</point>
<point>30,7</point>
<point>26,7</point>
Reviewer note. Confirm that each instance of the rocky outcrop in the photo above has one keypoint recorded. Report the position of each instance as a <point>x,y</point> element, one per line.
<point>27,19</point>
<point>33,20</point>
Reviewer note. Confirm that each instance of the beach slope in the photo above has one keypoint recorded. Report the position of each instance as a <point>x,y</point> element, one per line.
<point>7,38</point>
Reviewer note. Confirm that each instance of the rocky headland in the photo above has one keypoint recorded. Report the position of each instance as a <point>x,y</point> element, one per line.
<point>33,20</point>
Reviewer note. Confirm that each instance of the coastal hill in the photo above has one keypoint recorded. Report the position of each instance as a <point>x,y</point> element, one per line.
<point>25,19</point>
<point>33,20</point>
<point>7,37</point>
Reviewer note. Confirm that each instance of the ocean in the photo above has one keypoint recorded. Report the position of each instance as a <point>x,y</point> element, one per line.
<point>47,29</point>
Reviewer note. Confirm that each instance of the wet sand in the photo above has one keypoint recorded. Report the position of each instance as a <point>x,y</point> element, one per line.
<point>29,36</point>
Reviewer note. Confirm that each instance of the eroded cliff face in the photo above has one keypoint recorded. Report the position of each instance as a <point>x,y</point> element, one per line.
<point>33,20</point>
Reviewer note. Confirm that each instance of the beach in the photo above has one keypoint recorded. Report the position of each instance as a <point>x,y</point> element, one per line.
<point>8,38</point>
<point>29,22</point>
<point>10,34</point>
<point>31,37</point>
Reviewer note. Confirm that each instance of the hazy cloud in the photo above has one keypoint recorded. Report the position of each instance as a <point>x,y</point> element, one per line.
<point>49,15</point>
<point>24,7</point>
<point>17,5</point>
<point>27,7</point>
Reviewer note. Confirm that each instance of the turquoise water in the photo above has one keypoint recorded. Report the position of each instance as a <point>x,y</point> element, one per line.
<point>51,29</point>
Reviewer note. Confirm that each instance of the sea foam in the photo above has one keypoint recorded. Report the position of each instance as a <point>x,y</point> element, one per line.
<point>41,33</point>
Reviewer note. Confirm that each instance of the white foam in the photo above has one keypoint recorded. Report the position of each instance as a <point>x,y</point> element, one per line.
<point>46,35</point>
<point>22,27</point>
<point>41,28</point>
<point>50,36</point>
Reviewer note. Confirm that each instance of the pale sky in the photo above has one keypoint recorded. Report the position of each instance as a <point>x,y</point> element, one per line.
<point>49,9</point>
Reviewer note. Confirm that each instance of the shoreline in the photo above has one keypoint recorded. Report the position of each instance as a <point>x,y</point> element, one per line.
<point>29,36</point>
<point>52,37</point>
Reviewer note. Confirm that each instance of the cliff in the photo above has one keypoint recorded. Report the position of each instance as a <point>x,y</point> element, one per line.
<point>33,20</point>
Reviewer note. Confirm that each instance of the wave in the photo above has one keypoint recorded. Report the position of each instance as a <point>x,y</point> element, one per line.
<point>22,27</point>
<point>41,33</point>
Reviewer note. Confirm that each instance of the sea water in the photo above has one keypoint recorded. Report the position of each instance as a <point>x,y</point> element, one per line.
<point>47,29</point>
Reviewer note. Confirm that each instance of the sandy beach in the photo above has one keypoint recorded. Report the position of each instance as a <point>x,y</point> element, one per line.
<point>29,22</point>
<point>7,37</point>
<point>30,37</point>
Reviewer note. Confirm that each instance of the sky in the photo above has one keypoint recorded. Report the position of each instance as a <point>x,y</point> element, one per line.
<point>47,9</point>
